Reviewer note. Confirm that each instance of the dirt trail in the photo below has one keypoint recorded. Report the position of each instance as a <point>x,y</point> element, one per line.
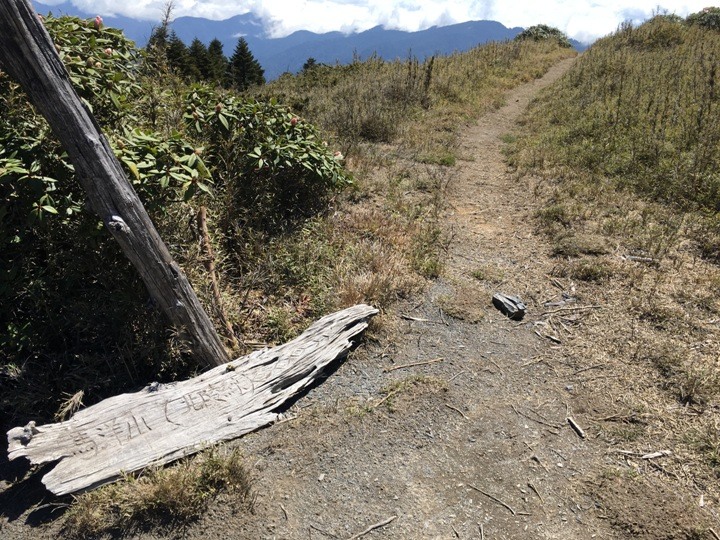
<point>474,444</point>
<point>471,443</point>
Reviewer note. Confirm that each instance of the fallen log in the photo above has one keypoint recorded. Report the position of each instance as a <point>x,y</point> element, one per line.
<point>164,422</point>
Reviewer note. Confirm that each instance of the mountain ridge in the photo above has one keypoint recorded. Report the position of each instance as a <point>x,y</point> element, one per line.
<point>289,53</point>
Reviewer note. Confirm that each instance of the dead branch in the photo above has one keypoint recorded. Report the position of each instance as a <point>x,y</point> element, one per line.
<point>373,527</point>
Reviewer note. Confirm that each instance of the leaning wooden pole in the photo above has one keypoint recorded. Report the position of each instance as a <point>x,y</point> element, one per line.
<point>28,55</point>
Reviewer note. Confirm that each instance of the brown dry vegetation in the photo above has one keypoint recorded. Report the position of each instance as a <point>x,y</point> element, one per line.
<point>628,238</point>
<point>618,154</point>
<point>397,124</point>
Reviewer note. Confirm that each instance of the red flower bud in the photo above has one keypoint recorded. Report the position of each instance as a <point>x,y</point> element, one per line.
<point>218,107</point>
<point>294,121</point>
<point>98,22</point>
<point>108,51</point>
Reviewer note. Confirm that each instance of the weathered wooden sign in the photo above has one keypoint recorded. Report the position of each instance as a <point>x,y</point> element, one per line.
<point>164,422</point>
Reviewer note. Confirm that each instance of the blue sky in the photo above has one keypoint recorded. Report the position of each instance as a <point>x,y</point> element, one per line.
<point>582,20</point>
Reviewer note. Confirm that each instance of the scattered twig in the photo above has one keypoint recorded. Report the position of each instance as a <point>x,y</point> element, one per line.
<point>614,418</point>
<point>531,486</point>
<point>712,531</point>
<point>596,366</point>
<point>506,505</point>
<point>457,534</point>
<point>457,410</point>
<point>373,527</point>
<point>635,258</point>
<point>655,455</point>
<point>434,361</point>
<point>532,362</point>
<point>415,319</point>
<point>556,426</point>
<point>663,470</point>
<point>383,400</point>
<point>482,532</point>
<point>534,456</point>
<point>284,511</point>
<point>576,427</point>
<point>318,529</point>
<point>456,375</point>
<point>288,418</point>
<point>572,308</point>
<point>494,363</point>
<point>554,339</point>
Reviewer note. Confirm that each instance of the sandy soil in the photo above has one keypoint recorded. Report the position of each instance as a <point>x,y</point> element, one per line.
<point>473,441</point>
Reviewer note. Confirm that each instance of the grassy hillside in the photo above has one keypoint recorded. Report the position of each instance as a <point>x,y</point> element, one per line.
<point>623,156</point>
<point>320,190</point>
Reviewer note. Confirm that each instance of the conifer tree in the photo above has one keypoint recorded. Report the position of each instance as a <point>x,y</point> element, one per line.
<point>243,70</point>
<point>178,57</point>
<point>176,51</point>
<point>217,61</point>
<point>199,60</point>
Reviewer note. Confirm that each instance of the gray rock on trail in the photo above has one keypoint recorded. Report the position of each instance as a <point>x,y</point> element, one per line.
<point>509,305</point>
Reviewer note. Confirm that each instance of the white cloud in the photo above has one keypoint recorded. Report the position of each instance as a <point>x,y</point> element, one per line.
<point>582,20</point>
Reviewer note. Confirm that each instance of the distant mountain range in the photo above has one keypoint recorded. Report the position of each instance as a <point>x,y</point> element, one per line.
<point>278,55</point>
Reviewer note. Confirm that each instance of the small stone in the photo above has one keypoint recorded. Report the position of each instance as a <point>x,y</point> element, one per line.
<point>509,305</point>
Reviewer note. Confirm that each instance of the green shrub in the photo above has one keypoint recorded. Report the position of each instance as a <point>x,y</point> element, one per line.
<point>541,32</point>
<point>272,167</point>
<point>71,298</point>
<point>707,18</point>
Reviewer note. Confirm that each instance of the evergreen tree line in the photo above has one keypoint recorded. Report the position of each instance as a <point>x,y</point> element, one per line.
<point>209,64</point>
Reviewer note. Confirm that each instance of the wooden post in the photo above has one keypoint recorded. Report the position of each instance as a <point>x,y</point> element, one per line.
<point>28,55</point>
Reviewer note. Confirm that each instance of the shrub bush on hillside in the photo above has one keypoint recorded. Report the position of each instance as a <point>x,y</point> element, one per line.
<point>271,166</point>
<point>541,32</point>
<point>707,18</point>
<point>71,299</point>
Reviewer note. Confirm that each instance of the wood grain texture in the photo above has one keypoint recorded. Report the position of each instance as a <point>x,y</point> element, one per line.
<point>28,55</point>
<point>165,422</point>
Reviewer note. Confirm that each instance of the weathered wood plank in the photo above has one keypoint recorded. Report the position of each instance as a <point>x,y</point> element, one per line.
<point>28,55</point>
<point>161,423</point>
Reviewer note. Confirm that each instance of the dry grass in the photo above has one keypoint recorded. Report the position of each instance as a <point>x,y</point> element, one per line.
<point>397,123</point>
<point>623,243</point>
<point>168,497</point>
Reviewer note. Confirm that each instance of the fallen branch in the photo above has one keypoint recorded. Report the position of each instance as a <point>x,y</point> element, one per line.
<point>576,427</point>
<point>655,455</point>
<point>373,527</point>
<point>415,319</point>
<point>414,364</point>
<point>506,505</point>
<point>164,422</point>
<point>457,410</point>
